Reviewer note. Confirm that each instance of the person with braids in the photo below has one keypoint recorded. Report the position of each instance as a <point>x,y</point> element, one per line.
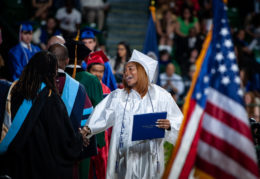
<point>37,139</point>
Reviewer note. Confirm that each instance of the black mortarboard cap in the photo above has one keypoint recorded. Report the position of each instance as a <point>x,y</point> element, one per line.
<point>82,50</point>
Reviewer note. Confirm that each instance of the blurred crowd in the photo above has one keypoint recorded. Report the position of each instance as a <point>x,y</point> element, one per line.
<point>181,25</point>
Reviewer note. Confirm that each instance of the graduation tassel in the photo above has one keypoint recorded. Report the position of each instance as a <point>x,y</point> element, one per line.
<point>75,63</point>
<point>76,56</point>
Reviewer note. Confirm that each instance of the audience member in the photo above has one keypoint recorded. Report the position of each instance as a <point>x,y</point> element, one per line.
<point>93,12</point>
<point>42,35</point>
<point>185,22</point>
<point>165,58</point>
<point>41,6</point>
<point>165,29</point>
<point>122,56</point>
<point>252,101</point>
<point>187,79</point>
<point>171,81</point>
<point>69,19</point>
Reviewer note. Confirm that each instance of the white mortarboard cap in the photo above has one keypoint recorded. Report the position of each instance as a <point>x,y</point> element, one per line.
<point>147,62</point>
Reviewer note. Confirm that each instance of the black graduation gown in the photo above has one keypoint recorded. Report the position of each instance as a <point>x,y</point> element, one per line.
<point>46,145</point>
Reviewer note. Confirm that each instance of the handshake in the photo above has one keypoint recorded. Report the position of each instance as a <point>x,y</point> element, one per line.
<point>85,131</point>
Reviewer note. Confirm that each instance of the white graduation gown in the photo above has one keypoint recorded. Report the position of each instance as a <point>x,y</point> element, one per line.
<point>135,159</point>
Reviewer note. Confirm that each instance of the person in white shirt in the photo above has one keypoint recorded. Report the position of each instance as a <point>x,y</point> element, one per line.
<point>69,18</point>
<point>171,81</point>
<point>93,12</point>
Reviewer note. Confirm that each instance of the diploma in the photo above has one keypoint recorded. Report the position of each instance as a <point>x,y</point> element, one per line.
<point>144,126</point>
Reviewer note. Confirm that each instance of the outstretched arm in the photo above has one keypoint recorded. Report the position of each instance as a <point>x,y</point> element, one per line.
<point>102,117</point>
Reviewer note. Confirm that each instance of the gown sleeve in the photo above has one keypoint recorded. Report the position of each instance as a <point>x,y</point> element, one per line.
<point>65,143</point>
<point>94,91</point>
<point>175,116</point>
<point>103,115</point>
<point>15,65</point>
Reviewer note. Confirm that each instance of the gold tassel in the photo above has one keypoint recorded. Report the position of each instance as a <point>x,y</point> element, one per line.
<point>76,56</point>
<point>152,10</point>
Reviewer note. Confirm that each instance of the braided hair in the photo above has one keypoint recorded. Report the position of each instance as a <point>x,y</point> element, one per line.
<point>41,68</point>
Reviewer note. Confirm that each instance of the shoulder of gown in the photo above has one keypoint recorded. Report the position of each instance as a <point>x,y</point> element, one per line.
<point>156,90</point>
<point>16,49</point>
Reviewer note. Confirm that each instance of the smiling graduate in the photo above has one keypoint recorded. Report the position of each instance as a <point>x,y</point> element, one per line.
<point>136,159</point>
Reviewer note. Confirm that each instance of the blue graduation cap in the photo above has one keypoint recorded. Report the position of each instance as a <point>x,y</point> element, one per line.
<point>88,33</point>
<point>26,26</point>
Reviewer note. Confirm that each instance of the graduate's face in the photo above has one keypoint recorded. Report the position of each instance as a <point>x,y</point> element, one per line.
<point>26,37</point>
<point>130,74</point>
<point>97,70</point>
<point>90,43</point>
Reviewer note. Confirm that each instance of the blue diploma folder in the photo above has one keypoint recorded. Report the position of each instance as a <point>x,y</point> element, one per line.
<point>144,126</point>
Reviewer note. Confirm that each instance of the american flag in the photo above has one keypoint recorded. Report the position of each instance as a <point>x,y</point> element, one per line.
<point>215,140</point>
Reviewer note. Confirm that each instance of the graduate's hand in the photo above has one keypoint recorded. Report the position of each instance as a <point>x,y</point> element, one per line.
<point>84,131</point>
<point>164,124</point>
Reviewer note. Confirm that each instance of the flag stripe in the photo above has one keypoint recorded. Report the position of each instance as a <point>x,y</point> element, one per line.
<point>228,119</point>
<point>217,158</point>
<point>228,105</point>
<point>188,138</point>
<point>225,148</point>
<point>222,131</point>
<point>212,170</point>
<point>191,156</point>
